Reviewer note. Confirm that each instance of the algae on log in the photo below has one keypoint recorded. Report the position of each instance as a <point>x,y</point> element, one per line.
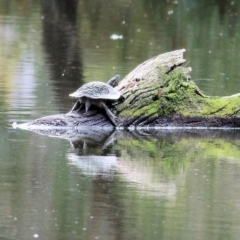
<point>158,93</point>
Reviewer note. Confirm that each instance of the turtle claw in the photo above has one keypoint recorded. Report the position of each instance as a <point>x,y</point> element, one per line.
<point>118,122</point>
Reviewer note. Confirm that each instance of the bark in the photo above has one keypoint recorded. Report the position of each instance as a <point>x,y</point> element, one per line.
<point>158,93</point>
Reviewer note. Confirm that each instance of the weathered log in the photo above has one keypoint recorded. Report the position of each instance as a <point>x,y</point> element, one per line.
<point>158,93</point>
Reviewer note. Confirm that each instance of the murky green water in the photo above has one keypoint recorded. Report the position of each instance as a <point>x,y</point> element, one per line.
<point>124,185</point>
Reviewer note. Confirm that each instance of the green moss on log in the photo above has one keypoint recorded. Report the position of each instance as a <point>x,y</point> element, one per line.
<point>162,92</point>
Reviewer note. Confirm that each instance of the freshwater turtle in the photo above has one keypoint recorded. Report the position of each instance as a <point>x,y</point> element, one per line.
<point>98,94</point>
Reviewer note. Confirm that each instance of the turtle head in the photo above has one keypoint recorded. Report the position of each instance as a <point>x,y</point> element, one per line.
<point>114,81</point>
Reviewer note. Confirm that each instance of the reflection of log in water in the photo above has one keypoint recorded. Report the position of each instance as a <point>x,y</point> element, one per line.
<point>61,43</point>
<point>148,142</point>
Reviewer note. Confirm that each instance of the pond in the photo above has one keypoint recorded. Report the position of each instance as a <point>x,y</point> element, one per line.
<point>166,184</point>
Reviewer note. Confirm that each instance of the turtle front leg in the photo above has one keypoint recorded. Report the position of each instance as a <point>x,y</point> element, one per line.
<point>110,115</point>
<point>76,107</point>
<point>87,105</point>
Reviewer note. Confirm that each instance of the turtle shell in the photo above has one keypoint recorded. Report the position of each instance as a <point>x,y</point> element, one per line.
<point>96,90</point>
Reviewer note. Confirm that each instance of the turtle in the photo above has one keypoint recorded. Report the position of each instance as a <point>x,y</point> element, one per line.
<point>98,94</point>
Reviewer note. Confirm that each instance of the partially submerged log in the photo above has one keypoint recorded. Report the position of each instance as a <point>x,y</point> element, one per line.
<point>158,93</point>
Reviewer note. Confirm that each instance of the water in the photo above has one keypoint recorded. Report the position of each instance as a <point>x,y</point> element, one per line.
<point>168,184</point>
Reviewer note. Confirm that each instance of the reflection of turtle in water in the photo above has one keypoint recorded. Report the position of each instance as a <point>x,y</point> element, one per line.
<point>98,94</point>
